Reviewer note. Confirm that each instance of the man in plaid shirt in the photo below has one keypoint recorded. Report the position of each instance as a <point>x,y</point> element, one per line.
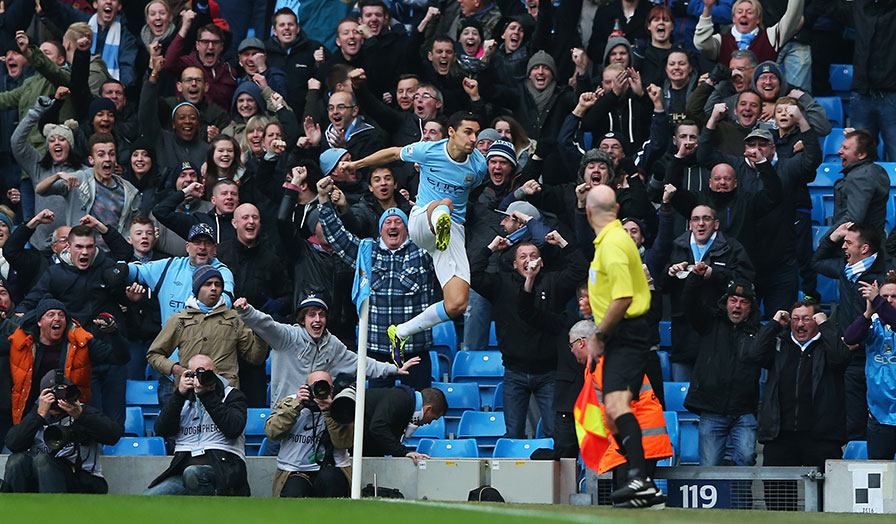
<point>402,283</point>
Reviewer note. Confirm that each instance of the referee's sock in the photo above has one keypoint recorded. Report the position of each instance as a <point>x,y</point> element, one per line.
<point>630,440</point>
<point>434,314</point>
<point>440,210</point>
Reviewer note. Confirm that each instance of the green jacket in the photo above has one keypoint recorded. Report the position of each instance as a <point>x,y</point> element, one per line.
<point>49,76</point>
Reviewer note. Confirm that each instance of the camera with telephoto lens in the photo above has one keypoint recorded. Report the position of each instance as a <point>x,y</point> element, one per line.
<point>320,389</point>
<point>206,377</point>
<point>62,391</point>
<point>57,437</point>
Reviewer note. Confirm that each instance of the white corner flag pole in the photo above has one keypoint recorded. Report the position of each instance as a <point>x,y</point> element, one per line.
<point>360,393</point>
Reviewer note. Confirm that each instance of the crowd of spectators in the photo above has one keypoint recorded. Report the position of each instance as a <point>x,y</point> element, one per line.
<point>179,190</point>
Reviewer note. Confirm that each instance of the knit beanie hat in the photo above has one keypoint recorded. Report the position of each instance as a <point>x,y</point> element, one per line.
<point>46,304</point>
<point>488,134</point>
<point>203,273</point>
<point>769,67</point>
<point>596,155</point>
<point>99,104</point>
<point>64,130</point>
<point>542,58</point>
<point>393,211</point>
<point>503,149</point>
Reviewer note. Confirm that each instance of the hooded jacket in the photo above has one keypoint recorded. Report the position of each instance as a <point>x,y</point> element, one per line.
<point>237,126</point>
<point>171,150</point>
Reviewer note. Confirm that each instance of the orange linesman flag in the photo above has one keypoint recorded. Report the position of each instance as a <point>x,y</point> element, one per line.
<point>590,428</point>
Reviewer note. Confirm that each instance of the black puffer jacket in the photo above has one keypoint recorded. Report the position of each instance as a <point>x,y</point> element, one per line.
<point>829,357</point>
<point>297,60</point>
<point>386,416</point>
<point>259,275</point>
<point>230,417</point>
<point>722,383</point>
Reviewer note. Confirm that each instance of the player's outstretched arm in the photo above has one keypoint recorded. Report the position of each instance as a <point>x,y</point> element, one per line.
<point>383,156</point>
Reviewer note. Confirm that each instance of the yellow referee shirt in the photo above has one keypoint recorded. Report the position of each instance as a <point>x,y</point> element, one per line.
<point>616,272</point>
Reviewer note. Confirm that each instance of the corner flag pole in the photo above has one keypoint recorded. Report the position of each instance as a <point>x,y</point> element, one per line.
<point>360,393</point>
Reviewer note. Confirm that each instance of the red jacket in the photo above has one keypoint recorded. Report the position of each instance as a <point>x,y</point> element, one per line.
<point>221,78</point>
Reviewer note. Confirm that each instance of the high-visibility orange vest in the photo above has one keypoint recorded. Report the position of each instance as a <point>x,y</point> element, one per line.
<point>649,412</point>
<point>21,362</point>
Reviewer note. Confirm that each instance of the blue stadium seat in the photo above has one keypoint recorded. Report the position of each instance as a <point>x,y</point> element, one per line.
<point>689,436</point>
<point>456,448</point>
<point>827,174</point>
<point>665,365</point>
<point>831,144</point>
<point>485,426</point>
<point>435,367</point>
<point>144,393</point>
<point>588,139</point>
<point>133,422</point>
<point>856,450</point>
<point>817,233</point>
<point>444,342</point>
<point>665,334</point>
<point>267,366</point>
<point>433,430</point>
<point>520,448</point>
<point>255,419</point>
<point>143,446</point>
<point>841,77</point>
<point>890,168</point>
<point>492,336</point>
<point>818,218</point>
<point>267,394</point>
<point>891,210</point>
<point>461,396</point>
<point>498,399</point>
<point>674,430</point>
<point>263,448</point>
<point>675,392</point>
<point>833,106</point>
<point>539,433</point>
<point>485,368</point>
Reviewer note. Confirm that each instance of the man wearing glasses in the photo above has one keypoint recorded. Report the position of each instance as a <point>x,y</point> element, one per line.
<point>715,256</point>
<point>349,130</point>
<point>220,77</point>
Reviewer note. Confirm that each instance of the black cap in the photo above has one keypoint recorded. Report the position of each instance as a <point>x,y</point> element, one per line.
<point>741,288</point>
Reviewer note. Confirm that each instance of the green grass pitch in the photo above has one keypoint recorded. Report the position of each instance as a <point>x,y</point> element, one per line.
<point>180,510</point>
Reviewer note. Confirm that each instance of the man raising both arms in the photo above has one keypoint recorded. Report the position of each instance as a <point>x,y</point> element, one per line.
<point>449,169</point>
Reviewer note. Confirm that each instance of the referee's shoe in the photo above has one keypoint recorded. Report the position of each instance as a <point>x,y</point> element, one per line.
<point>638,489</point>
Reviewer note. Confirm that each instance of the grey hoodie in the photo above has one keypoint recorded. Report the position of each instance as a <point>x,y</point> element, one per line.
<point>615,41</point>
<point>296,355</point>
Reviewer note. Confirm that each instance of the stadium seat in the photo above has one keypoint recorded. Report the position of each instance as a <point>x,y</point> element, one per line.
<point>444,342</point>
<point>817,233</point>
<point>498,399</point>
<point>675,392</point>
<point>856,450</point>
<point>133,422</point>
<point>831,144</point>
<point>143,446</point>
<point>890,168</point>
<point>665,365</point>
<point>433,430</point>
<point>492,337</point>
<point>827,174</point>
<point>461,396</point>
<point>539,432</point>
<point>486,427</point>
<point>145,394</point>
<point>485,368</point>
<point>263,448</point>
<point>588,139</point>
<point>665,334</point>
<point>267,366</point>
<point>841,78</point>
<point>435,367</point>
<point>456,448</point>
<point>689,437</point>
<point>833,106</point>
<point>255,419</point>
<point>520,448</point>
<point>828,289</point>
<point>891,210</point>
<point>672,427</point>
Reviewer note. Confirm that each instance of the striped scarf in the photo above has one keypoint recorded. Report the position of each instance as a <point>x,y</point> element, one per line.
<point>853,271</point>
<point>110,46</point>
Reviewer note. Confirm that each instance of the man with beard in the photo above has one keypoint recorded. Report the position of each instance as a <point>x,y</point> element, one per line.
<point>731,132</point>
<point>724,390</point>
<point>221,77</point>
<point>183,142</point>
<point>206,326</point>
<point>96,189</point>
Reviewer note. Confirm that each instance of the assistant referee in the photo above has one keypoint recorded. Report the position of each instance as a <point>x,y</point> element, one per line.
<point>619,298</point>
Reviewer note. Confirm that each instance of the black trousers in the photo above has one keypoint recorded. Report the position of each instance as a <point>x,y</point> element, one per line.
<point>328,482</point>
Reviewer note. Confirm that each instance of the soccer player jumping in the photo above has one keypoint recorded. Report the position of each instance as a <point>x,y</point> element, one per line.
<point>449,170</point>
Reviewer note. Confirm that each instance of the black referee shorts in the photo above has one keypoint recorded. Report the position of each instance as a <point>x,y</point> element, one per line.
<point>625,356</point>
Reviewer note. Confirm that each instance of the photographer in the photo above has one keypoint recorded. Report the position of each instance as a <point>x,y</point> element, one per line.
<point>313,444</point>
<point>56,446</point>
<point>208,417</point>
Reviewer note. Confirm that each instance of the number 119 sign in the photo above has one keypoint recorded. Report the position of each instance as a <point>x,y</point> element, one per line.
<point>699,494</point>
